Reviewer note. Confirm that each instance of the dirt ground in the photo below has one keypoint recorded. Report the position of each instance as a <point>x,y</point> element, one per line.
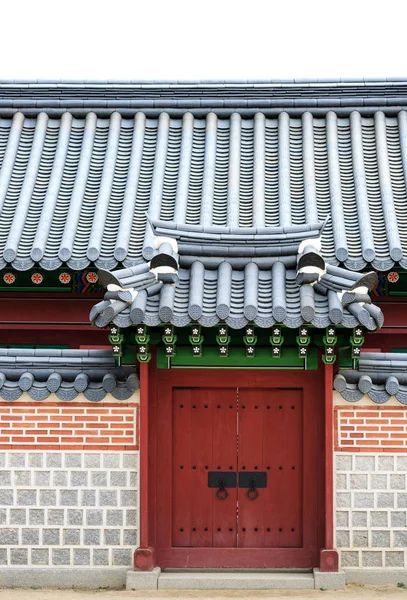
<point>352,592</point>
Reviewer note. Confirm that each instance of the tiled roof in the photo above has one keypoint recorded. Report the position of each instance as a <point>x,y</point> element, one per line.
<point>263,275</point>
<point>65,373</point>
<point>380,375</point>
<point>76,191</point>
<point>201,97</point>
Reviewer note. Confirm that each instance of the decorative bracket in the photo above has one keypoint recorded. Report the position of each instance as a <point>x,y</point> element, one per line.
<point>223,340</point>
<point>250,341</point>
<point>303,340</point>
<point>196,340</point>
<point>276,341</point>
<point>169,338</point>
<point>329,340</point>
<point>356,340</point>
<point>142,339</point>
<point>116,339</point>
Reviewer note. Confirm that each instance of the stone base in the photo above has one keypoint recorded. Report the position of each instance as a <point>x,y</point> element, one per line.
<point>329,560</point>
<point>376,576</point>
<point>143,580</point>
<point>329,580</point>
<point>235,580</point>
<point>144,559</point>
<point>68,578</point>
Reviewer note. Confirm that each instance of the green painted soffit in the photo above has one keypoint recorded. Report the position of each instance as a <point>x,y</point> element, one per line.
<point>237,357</point>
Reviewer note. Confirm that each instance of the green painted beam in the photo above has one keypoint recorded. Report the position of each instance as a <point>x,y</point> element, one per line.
<point>238,359</point>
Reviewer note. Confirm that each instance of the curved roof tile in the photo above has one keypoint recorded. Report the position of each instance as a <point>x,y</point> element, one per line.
<point>380,376</point>
<point>65,373</point>
<point>75,191</point>
<point>260,275</point>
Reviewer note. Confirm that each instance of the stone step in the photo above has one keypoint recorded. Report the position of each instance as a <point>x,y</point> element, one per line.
<point>253,580</point>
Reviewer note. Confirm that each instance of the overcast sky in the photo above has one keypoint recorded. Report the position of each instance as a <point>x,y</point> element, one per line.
<point>204,39</point>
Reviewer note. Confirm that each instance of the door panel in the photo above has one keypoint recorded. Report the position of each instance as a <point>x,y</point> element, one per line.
<point>188,514</point>
<point>270,435</point>
<point>204,439</point>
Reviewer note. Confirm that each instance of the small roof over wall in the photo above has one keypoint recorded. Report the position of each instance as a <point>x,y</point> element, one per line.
<point>380,375</point>
<point>66,373</point>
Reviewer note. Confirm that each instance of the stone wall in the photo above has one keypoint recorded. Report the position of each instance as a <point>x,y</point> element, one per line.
<point>371,510</point>
<point>68,508</point>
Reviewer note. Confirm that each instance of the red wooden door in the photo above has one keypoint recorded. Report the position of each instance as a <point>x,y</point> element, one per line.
<point>270,438</point>
<point>204,440</point>
<point>257,426</point>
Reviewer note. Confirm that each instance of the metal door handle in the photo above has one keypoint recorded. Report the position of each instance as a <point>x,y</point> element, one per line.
<point>222,492</point>
<point>252,493</point>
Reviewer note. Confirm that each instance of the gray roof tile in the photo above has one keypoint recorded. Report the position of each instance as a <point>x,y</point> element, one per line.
<point>73,191</point>
<point>66,373</point>
<point>379,375</point>
<point>242,289</point>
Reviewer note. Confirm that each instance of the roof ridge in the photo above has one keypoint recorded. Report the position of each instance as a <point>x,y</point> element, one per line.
<point>204,82</point>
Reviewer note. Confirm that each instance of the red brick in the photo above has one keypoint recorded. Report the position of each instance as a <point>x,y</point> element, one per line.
<point>368,442</point>
<point>392,442</point>
<point>366,428</point>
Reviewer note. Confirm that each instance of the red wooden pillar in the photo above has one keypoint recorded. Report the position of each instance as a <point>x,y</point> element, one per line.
<point>329,559</point>
<point>144,558</point>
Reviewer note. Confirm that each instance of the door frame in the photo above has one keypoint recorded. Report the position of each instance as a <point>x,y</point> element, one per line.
<point>154,409</point>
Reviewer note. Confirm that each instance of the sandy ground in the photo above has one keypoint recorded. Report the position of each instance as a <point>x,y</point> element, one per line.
<point>352,592</point>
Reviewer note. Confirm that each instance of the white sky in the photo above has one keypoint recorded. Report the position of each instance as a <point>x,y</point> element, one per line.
<point>202,39</point>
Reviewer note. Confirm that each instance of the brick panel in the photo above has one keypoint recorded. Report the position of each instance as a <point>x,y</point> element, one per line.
<point>371,429</point>
<point>68,426</point>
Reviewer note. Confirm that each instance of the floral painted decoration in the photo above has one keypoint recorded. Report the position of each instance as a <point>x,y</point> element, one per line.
<point>393,277</point>
<point>64,278</point>
<point>37,278</point>
<point>91,277</point>
<point>9,278</point>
